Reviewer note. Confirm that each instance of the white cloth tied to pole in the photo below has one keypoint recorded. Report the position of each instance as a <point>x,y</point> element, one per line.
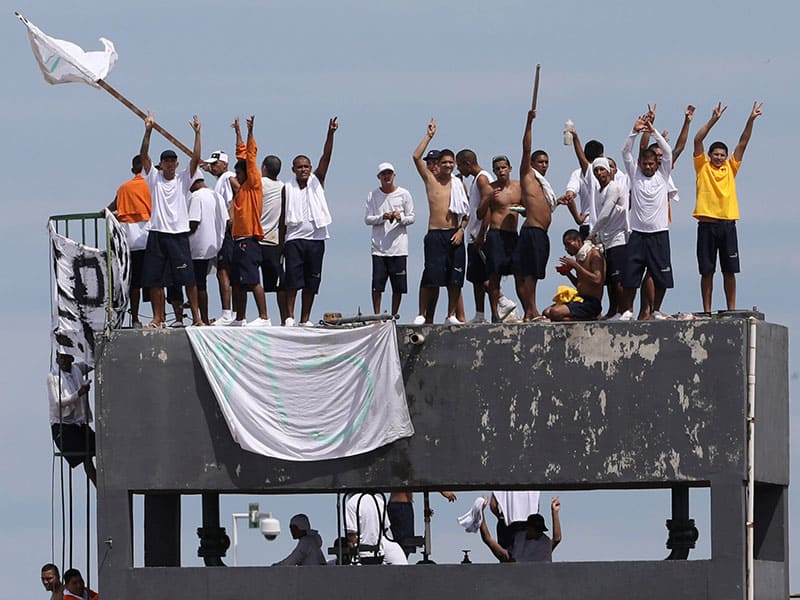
<point>64,62</point>
<point>306,394</point>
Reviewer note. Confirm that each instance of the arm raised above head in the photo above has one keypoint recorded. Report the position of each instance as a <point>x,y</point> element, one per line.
<point>680,143</point>
<point>144,150</point>
<point>327,150</point>
<point>422,168</point>
<point>196,148</point>
<point>701,134</point>
<point>738,152</point>
<point>527,144</point>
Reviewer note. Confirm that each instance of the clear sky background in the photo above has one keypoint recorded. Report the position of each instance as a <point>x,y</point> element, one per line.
<point>384,69</point>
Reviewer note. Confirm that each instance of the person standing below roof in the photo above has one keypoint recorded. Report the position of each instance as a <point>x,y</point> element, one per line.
<point>389,210</point>
<point>51,580</point>
<point>531,544</point>
<point>304,223</point>
<point>717,208</point>
<point>246,231</point>
<point>207,220</point>
<point>226,186</point>
<point>271,260</point>
<point>309,544</point>
<point>132,207</point>
<point>445,255</point>
<point>74,586</point>
<point>167,259</point>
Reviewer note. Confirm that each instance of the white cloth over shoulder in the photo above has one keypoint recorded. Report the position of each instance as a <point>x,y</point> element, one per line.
<point>312,196</point>
<point>64,62</point>
<point>459,205</point>
<point>306,394</point>
<point>516,506</point>
<point>472,519</point>
<point>547,189</point>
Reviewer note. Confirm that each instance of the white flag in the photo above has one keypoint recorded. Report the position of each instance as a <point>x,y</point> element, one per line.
<point>65,62</point>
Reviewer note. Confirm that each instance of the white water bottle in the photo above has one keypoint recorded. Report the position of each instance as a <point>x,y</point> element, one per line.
<point>568,128</point>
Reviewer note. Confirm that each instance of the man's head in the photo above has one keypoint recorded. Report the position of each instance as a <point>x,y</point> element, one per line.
<point>658,152</point>
<point>136,165</point>
<point>501,167</point>
<point>432,161</point>
<point>447,162</point>
<point>613,164</point>
<point>648,162</point>
<point>73,581</point>
<point>540,161</point>
<point>168,163</point>
<point>535,523</point>
<point>197,184</point>
<point>240,168</point>
<point>572,243</point>
<point>386,176</point>
<point>717,154</point>
<point>467,162</point>
<point>592,149</point>
<point>64,361</point>
<point>271,167</point>
<point>301,167</point>
<point>51,579</point>
<point>602,170</point>
<point>299,526</point>
<point>217,163</point>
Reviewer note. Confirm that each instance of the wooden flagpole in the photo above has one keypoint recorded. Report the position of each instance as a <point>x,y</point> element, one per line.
<point>536,88</point>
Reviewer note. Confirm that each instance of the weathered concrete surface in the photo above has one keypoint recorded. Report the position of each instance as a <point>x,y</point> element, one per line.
<point>531,406</point>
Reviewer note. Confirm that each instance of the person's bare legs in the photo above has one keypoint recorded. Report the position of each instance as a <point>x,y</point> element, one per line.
<point>428,297</point>
<point>225,292</point>
<point>376,301</point>
<point>527,293</point>
<point>706,290</point>
<point>158,302</point>
<point>479,292</point>
<point>191,293</point>
<point>281,299</point>
<point>261,301</point>
<point>202,305</point>
<point>558,312</point>
<point>647,298</point>
<point>453,296</point>
<point>658,298</point>
<point>494,295</point>
<point>135,295</point>
<point>627,298</point>
<point>614,296</point>
<point>290,299</point>
<point>306,302</point>
<point>729,283</point>
<point>461,315</point>
<point>396,299</point>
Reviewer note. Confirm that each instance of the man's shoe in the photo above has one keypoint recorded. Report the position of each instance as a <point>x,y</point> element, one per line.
<point>504,306</point>
<point>235,323</point>
<point>223,321</point>
<point>418,320</point>
<point>626,316</point>
<point>451,320</point>
<point>259,322</point>
<point>306,324</point>
<point>660,316</point>
<point>289,322</point>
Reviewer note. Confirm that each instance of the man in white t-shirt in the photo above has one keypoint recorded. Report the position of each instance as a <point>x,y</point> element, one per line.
<point>367,525</point>
<point>168,259</point>
<point>271,259</point>
<point>304,219</point>
<point>648,244</point>
<point>583,185</point>
<point>207,220</point>
<point>390,209</point>
<point>226,186</point>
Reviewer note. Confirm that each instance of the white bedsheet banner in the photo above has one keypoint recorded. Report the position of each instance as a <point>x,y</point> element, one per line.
<point>305,394</point>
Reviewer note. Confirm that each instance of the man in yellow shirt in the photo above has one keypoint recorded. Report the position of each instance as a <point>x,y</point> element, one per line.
<point>717,208</point>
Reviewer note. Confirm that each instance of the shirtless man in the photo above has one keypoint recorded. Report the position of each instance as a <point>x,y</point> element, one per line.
<point>501,237</point>
<point>445,256</point>
<point>533,247</point>
<point>590,273</point>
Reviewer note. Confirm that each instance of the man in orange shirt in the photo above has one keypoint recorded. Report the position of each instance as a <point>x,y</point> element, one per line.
<point>132,208</point>
<point>246,231</point>
<point>74,586</point>
<point>717,208</point>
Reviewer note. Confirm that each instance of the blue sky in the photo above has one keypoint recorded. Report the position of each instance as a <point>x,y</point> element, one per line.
<point>385,70</point>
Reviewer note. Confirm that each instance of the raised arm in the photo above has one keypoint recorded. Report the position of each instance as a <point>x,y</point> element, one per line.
<point>251,152</point>
<point>666,150</point>
<point>241,151</point>
<point>500,553</point>
<point>703,131</point>
<point>527,144</point>
<point>644,141</point>
<point>327,151</point>
<point>144,151</point>
<point>196,149</point>
<point>422,168</point>
<point>576,144</point>
<point>680,143</point>
<point>555,509</point>
<point>738,152</point>
<point>627,149</point>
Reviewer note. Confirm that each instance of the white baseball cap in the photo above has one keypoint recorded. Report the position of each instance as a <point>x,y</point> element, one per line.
<point>385,166</point>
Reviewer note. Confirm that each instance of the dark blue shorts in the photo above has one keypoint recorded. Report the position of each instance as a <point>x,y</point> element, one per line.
<point>389,267</point>
<point>77,442</point>
<point>714,238</point>
<point>444,263</point>
<point>588,310</point>
<point>167,260</point>
<point>532,253</point>
<point>648,251</point>
<point>476,265</point>
<point>271,267</point>
<point>616,258</point>
<point>225,255</point>
<point>137,263</point>
<point>401,518</point>
<point>246,265</point>
<point>303,263</point>
<point>499,249</point>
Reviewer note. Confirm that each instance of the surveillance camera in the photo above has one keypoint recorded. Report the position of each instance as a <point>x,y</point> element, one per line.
<point>270,527</point>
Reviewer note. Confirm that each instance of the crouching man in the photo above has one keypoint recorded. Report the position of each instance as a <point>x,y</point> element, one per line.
<point>589,268</point>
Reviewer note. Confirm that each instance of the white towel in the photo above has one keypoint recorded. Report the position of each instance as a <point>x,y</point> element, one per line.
<point>472,519</point>
<point>459,204</point>
<point>549,194</point>
<point>312,196</point>
<point>516,506</point>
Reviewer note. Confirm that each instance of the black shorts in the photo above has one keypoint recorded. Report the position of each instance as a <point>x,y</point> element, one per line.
<point>175,292</point>
<point>225,255</point>
<point>444,263</point>
<point>532,253</point>
<point>588,310</point>
<point>76,442</point>
<point>717,237</point>
<point>476,265</point>
<point>389,267</point>
<point>648,251</point>
<point>499,249</point>
<point>271,267</point>
<point>137,262</point>
<point>401,517</point>
<point>167,260</point>
<point>616,258</point>
<point>200,266</point>
<point>303,263</point>
<point>246,264</point>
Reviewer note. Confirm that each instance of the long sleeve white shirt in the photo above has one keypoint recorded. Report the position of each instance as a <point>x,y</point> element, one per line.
<point>649,206</point>
<point>389,238</point>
